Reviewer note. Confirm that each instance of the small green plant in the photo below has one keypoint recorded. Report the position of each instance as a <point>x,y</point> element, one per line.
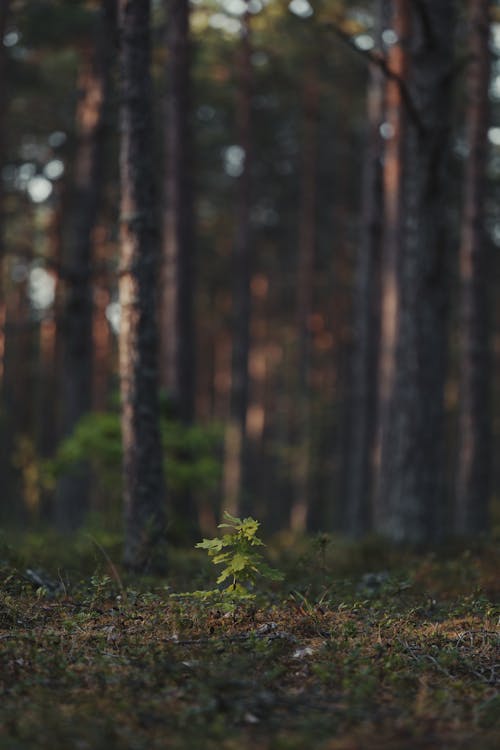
<point>243,565</point>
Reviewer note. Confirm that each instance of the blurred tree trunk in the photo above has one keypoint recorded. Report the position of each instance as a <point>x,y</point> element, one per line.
<point>4,12</point>
<point>236,488</point>
<point>177,334</point>
<point>4,430</point>
<point>474,455</point>
<point>177,371</point>
<point>304,300</point>
<point>76,325</point>
<point>367,300</point>
<point>409,500</point>
<point>143,482</point>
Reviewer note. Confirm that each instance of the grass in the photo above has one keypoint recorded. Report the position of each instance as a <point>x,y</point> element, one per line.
<point>359,647</point>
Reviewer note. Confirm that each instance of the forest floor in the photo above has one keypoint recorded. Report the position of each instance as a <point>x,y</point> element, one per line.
<point>358,648</point>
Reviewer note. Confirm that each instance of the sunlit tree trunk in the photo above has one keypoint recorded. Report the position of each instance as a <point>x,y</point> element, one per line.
<point>367,299</point>
<point>474,455</point>
<point>236,437</point>
<point>143,482</point>
<point>390,306</point>
<point>409,500</point>
<point>76,324</point>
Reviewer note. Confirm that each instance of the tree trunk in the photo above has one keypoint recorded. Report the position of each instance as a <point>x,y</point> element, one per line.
<point>5,431</point>
<point>410,492</point>
<point>236,438</point>
<point>367,300</point>
<point>305,286</point>
<point>144,494</point>
<point>177,371</point>
<point>177,334</point>
<point>474,454</point>
<point>76,340</point>
<point>4,12</point>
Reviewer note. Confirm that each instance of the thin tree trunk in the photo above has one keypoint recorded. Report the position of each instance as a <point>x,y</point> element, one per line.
<point>4,12</point>
<point>144,493</point>
<point>474,454</point>
<point>76,392</point>
<point>390,305</point>
<point>236,488</point>
<point>367,303</point>
<point>177,369</point>
<point>177,333</point>
<point>410,493</point>
<point>102,345</point>
<point>305,285</point>
<point>5,431</point>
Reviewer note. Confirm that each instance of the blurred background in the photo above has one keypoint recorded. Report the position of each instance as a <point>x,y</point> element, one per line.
<point>267,110</point>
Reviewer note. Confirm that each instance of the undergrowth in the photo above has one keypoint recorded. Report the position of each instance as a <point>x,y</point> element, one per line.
<point>358,647</point>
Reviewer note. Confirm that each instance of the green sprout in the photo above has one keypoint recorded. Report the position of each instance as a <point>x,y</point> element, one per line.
<point>237,552</point>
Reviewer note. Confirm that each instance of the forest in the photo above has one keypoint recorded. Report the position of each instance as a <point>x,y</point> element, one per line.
<point>249,317</point>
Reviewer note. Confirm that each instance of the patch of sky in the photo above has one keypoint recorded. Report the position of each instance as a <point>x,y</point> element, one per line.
<point>54,169</point>
<point>233,7</point>
<point>234,160</point>
<point>364,42</point>
<point>389,37</point>
<point>11,38</point>
<point>39,188</point>
<point>495,37</point>
<point>386,130</point>
<point>255,6</point>
<point>301,8</point>
<point>223,22</point>
<point>41,288</point>
<point>113,315</point>
<point>494,136</point>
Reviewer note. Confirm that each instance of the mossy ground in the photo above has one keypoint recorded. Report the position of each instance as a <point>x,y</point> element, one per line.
<point>358,648</point>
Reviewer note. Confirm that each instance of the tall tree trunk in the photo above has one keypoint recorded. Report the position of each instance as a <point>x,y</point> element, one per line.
<point>177,370</point>
<point>305,286</point>
<point>410,489</point>
<point>93,85</point>
<point>144,493</point>
<point>236,438</point>
<point>367,300</point>
<point>390,305</point>
<point>177,334</point>
<point>474,454</point>
<point>5,431</point>
<point>4,12</point>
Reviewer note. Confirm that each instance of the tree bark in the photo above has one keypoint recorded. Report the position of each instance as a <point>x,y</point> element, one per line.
<point>177,371</point>
<point>305,287</point>
<point>410,491</point>
<point>236,438</point>
<point>4,13</point>
<point>5,429</point>
<point>367,300</point>
<point>177,333</point>
<point>144,494</point>
<point>474,453</point>
<point>76,339</point>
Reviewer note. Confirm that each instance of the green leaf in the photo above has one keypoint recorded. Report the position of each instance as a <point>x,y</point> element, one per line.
<point>213,545</point>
